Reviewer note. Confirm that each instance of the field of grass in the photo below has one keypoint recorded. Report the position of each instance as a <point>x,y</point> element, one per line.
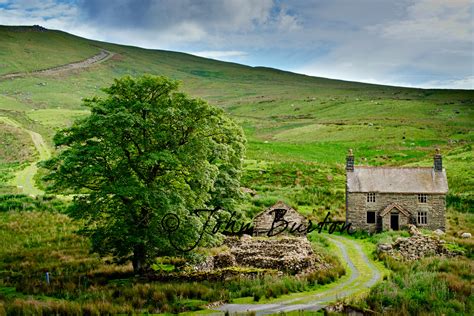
<point>299,129</point>
<point>42,240</point>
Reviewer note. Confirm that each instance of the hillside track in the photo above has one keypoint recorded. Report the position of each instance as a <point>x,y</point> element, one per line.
<point>363,274</point>
<point>93,60</point>
<point>24,179</point>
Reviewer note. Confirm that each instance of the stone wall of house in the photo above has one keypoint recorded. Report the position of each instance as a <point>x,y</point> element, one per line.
<point>357,207</point>
<point>262,223</point>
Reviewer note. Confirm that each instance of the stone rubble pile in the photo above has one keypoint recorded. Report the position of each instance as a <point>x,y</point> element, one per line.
<point>415,247</point>
<point>288,254</point>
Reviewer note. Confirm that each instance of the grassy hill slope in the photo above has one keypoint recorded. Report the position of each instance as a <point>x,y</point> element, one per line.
<point>299,127</point>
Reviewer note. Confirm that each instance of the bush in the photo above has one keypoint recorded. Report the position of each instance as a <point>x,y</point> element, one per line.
<point>20,202</point>
<point>461,203</point>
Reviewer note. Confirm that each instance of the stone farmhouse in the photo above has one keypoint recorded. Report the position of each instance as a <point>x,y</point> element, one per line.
<point>390,198</point>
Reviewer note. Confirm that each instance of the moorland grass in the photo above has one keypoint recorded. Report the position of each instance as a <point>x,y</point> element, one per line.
<point>36,242</point>
<point>439,286</point>
<point>430,285</point>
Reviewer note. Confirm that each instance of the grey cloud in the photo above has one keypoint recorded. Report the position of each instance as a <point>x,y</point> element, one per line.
<point>425,42</point>
<point>230,14</point>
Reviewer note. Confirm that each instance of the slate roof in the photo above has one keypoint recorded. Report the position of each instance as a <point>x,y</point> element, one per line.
<point>279,205</point>
<point>397,180</point>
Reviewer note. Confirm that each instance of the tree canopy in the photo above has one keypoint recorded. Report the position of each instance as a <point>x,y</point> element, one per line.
<point>146,150</point>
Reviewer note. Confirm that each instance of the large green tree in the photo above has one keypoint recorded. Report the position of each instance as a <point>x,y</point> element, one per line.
<point>146,150</point>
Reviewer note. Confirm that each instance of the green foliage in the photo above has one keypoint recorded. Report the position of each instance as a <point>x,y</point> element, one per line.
<point>383,237</point>
<point>145,151</point>
<point>463,203</point>
<point>161,267</point>
<point>168,264</point>
<point>430,285</point>
<point>20,202</point>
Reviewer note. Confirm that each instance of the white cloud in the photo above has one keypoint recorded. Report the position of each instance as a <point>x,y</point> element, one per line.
<point>47,13</point>
<point>433,20</point>
<point>428,45</point>
<point>463,83</point>
<point>184,31</point>
<point>217,54</point>
<point>287,22</point>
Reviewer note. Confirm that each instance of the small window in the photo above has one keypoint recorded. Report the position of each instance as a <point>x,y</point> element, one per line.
<point>370,197</point>
<point>422,198</point>
<point>422,218</point>
<point>370,217</point>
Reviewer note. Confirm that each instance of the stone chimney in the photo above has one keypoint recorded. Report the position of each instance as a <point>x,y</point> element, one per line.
<point>350,161</point>
<point>438,161</point>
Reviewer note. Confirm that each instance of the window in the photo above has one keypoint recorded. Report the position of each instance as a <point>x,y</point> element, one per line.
<point>422,218</point>
<point>370,217</point>
<point>422,198</point>
<point>370,197</point>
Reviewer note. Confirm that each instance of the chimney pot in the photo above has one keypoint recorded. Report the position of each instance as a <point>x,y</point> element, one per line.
<point>438,161</point>
<point>350,161</point>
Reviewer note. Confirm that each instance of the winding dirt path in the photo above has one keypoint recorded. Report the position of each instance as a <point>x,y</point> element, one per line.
<point>24,179</point>
<point>361,274</point>
<point>96,59</point>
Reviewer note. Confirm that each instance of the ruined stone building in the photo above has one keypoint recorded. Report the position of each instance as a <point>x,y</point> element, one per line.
<point>384,198</point>
<point>276,216</point>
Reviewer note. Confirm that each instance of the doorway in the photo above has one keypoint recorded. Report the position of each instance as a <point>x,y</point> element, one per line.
<point>394,221</point>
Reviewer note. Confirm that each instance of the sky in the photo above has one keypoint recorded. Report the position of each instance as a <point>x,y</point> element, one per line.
<point>414,43</point>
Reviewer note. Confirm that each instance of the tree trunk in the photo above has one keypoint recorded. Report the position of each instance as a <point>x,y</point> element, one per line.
<point>139,259</point>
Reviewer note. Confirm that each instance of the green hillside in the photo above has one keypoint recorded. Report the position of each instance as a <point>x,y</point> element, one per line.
<point>299,127</point>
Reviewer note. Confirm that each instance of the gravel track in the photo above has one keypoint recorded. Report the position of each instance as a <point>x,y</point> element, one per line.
<point>96,59</point>
<point>358,265</point>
